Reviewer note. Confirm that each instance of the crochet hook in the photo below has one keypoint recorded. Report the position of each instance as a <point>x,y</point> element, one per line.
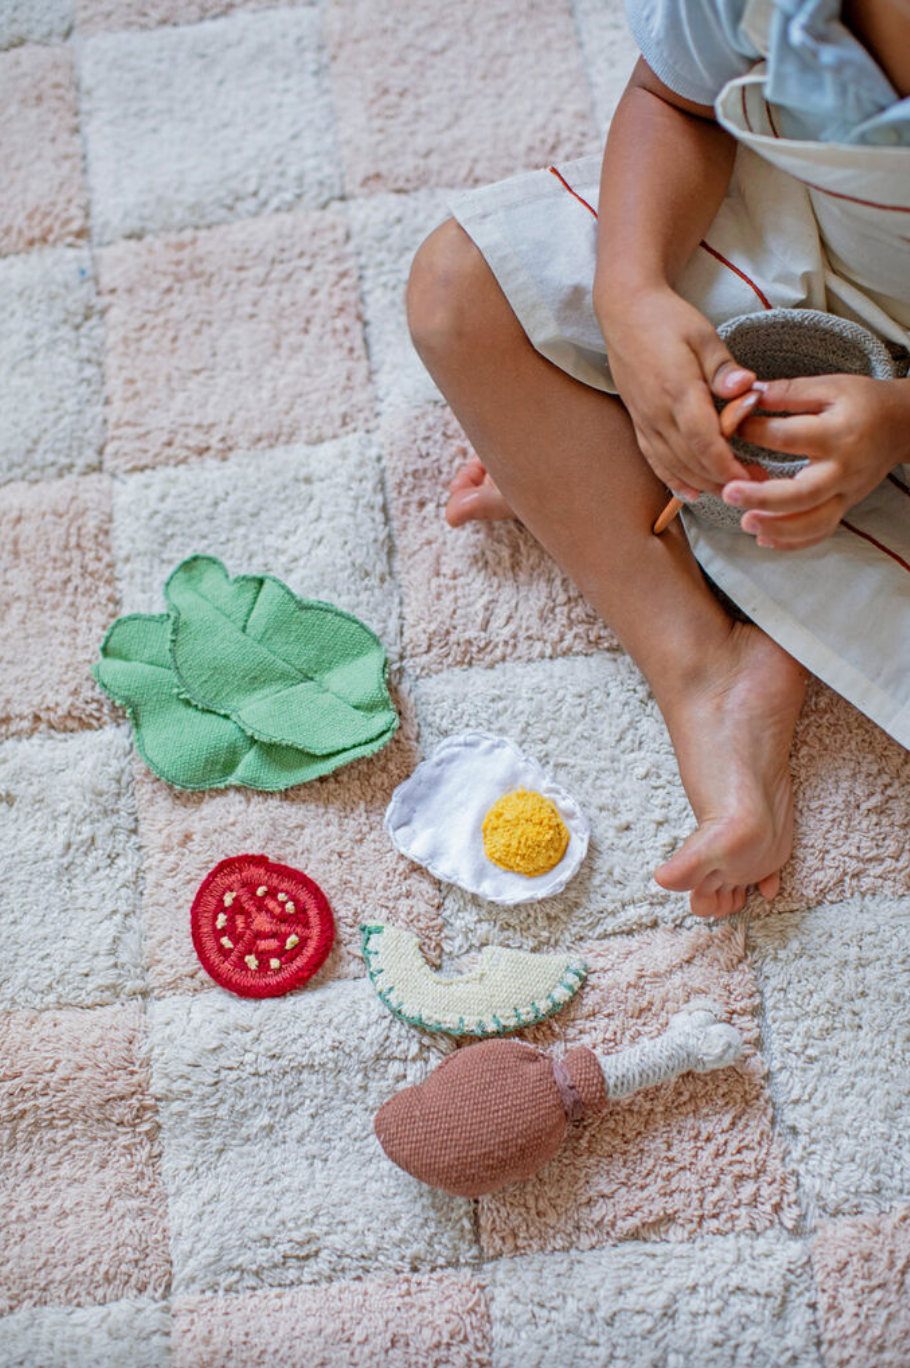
<point>731,415</point>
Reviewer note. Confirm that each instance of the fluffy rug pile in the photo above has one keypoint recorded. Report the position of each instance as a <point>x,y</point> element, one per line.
<point>207,215</point>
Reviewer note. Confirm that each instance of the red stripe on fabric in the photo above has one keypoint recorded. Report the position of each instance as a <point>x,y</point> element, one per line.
<point>766,303</point>
<point>866,537</point>
<point>899,483</point>
<point>771,120</point>
<point>835,194</point>
<point>854,199</point>
<point>562,178</point>
<point>708,248</point>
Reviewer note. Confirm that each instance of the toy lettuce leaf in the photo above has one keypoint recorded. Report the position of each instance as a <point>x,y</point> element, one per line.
<point>295,672</point>
<point>196,747</point>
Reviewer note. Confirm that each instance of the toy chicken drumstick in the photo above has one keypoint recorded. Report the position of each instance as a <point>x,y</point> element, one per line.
<point>493,1114</point>
<point>731,415</point>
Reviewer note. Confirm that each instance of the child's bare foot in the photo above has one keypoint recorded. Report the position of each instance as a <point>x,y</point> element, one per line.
<point>473,496</point>
<point>732,727</point>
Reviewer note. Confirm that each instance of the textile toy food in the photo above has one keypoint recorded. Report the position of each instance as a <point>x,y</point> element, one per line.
<point>494,1113</point>
<point>781,344</point>
<point>482,815</point>
<point>506,989</point>
<point>242,682</point>
<point>260,928</point>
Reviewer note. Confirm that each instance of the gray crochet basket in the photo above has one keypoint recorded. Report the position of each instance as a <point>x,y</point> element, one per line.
<point>780,345</point>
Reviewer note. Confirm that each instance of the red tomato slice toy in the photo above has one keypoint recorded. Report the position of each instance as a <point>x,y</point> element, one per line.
<point>260,929</point>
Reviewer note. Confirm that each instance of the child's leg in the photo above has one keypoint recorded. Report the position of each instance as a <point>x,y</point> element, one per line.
<point>565,459</point>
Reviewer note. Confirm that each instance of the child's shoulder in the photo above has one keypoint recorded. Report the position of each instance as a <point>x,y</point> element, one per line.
<point>836,73</point>
<point>694,46</point>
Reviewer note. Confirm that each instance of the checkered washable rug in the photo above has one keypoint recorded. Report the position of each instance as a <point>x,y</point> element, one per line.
<point>206,215</point>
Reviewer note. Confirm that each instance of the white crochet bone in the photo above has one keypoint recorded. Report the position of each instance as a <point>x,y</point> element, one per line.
<point>697,1039</point>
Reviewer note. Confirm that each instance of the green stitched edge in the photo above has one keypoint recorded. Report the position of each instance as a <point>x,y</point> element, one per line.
<point>229,782</point>
<point>578,972</point>
<point>332,762</point>
<point>134,723</point>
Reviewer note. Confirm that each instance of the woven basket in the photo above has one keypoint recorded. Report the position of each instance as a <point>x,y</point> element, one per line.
<point>783,344</point>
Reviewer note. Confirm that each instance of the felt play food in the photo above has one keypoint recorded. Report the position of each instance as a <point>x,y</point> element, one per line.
<point>242,682</point>
<point>506,989</point>
<point>480,814</point>
<point>524,832</point>
<point>260,928</point>
<point>494,1113</point>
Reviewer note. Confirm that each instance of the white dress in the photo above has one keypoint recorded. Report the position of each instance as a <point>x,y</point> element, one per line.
<point>823,225</point>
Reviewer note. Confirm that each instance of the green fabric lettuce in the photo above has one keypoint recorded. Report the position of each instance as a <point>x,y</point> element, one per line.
<point>242,682</point>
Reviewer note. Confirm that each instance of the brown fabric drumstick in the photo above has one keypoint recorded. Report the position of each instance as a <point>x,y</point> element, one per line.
<point>731,415</point>
<point>493,1114</point>
<point>489,1115</point>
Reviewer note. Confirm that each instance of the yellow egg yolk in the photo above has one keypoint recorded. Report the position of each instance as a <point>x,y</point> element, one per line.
<point>523,832</point>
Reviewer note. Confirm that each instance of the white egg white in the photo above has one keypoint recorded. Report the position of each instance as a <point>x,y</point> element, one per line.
<point>436,817</point>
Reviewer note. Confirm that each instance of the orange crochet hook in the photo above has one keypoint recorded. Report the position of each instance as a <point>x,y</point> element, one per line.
<point>731,415</point>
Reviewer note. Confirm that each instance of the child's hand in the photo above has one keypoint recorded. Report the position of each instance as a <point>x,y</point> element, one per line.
<point>667,360</point>
<point>853,429</point>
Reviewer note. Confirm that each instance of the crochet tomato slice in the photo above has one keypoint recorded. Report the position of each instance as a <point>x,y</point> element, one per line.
<point>260,928</point>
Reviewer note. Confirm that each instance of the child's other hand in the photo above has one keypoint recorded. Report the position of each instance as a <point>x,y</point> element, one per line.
<point>667,361</point>
<point>853,429</point>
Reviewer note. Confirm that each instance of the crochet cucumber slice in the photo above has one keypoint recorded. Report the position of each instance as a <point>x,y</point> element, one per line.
<point>506,990</point>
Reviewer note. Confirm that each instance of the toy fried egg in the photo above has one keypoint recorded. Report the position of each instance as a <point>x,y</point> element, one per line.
<point>480,814</point>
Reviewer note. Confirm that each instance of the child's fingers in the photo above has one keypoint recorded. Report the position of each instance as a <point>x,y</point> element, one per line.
<point>801,435</point>
<point>675,473</point>
<point>731,379</point>
<point>700,443</point>
<point>806,394</point>
<point>812,486</point>
<point>795,531</point>
<point>718,365</point>
<point>736,411</point>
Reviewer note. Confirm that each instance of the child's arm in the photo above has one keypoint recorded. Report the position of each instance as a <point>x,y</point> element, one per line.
<point>853,429</point>
<point>666,169</point>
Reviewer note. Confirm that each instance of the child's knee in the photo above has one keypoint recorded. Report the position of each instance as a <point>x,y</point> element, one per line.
<point>443,296</point>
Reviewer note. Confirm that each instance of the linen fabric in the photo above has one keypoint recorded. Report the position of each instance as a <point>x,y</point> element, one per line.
<point>823,83</point>
<point>804,224</point>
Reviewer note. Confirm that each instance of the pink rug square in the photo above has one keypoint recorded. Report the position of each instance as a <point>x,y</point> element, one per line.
<point>455,94</point>
<point>435,1321</point>
<point>58,594</point>
<point>242,336</point>
<point>43,198</point>
<point>862,1271</point>
<point>84,1215</point>
<point>331,829</point>
<point>480,594</point>
<point>690,1158</point>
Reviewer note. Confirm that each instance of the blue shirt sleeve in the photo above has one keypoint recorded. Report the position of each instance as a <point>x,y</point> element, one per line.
<point>694,46</point>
